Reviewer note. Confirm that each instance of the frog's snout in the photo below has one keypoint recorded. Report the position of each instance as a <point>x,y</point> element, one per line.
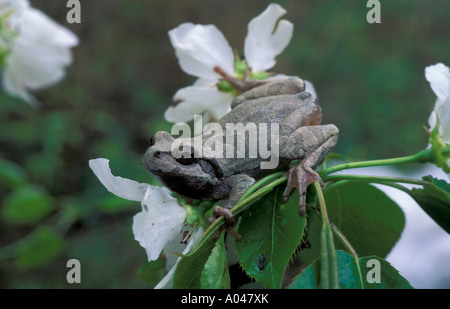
<point>161,137</point>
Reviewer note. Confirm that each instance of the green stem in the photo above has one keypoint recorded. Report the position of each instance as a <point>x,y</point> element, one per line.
<point>243,204</point>
<point>396,186</point>
<point>329,276</point>
<point>260,183</point>
<point>323,208</point>
<point>421,156</point>
<point>377,179</point>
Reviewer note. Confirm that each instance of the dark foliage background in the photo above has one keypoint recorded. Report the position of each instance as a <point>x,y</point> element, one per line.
<point>369,79</point>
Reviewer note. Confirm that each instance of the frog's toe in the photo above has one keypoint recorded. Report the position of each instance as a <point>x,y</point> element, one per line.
<point>300,178</point>
<point>230,221</point>
<point>222,212</point>
<point>290,185</point>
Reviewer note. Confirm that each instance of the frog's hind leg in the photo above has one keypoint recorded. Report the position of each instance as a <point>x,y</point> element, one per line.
<point>319,140</point>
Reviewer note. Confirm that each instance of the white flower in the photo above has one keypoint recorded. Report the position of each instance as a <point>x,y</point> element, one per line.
<point>161,219</point>
<point>267,38</point>
<point>39,51</point>
<point>202,48</point>
<point>438,75</point>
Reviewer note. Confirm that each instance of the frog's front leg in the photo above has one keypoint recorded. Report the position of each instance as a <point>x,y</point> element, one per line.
<point>311,144</point>
<point>238,184</point>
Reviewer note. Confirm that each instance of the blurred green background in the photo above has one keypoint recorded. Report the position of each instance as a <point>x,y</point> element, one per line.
<point>369,79</point>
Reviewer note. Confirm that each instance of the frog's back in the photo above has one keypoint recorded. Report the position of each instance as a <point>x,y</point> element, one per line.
<point>249,116</point>
<point>262,110</point>
<point>273,109</point>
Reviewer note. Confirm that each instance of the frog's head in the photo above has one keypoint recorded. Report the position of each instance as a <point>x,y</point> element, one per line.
<point>184,172</point>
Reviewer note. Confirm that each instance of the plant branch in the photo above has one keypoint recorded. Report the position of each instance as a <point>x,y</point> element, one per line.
<point>421,156</point>
<point>377,179</point>
<point>329,276</point>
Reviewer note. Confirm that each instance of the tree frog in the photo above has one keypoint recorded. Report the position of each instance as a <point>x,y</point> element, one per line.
<point>300,136</point>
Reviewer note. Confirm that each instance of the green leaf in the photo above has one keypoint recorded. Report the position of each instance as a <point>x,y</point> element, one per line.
<point>308,279</point>
<point>390,277</point>
<point>215,274</point>
<point>348,274</point>
<point>271,232</point>
<point>27,205</point>
<point>70,210</point>
<point>434,199</point>
<point>370,220</point>
<point>152,272</point>
<point>43,245</point>
<point>11,175</point>
<point>189,270</point>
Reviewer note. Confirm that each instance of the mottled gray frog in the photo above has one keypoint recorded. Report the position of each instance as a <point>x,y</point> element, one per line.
<point>301,137</point>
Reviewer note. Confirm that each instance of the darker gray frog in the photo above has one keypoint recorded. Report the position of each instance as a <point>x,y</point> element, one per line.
<point>301,137</point>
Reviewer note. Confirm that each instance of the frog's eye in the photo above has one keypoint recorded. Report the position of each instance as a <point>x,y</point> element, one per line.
<point>187,157</point>
<point>152,140</point>
<point>186,161</point>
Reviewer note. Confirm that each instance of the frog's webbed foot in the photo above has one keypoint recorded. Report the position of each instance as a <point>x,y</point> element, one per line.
<point>300,177</point>
<point>230,221</point>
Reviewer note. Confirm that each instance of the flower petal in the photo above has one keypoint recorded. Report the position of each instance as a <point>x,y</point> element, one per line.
<point>205,82</point>
<point>438,76</point>
<point>167,281</point>
<point>442,111</point>
<point>36,26</point>
<point>197,100</point>
<point>159,222</point>
<point>16,6</point>
<point>174,247</point>
<point>14,88</point>
<point>444,120</point>
<point>266,39</point>
<point>432,118</point>
<point>33,67</point>
<point>200,48</point>
<point>39,54</point>
<point>122,187</point>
